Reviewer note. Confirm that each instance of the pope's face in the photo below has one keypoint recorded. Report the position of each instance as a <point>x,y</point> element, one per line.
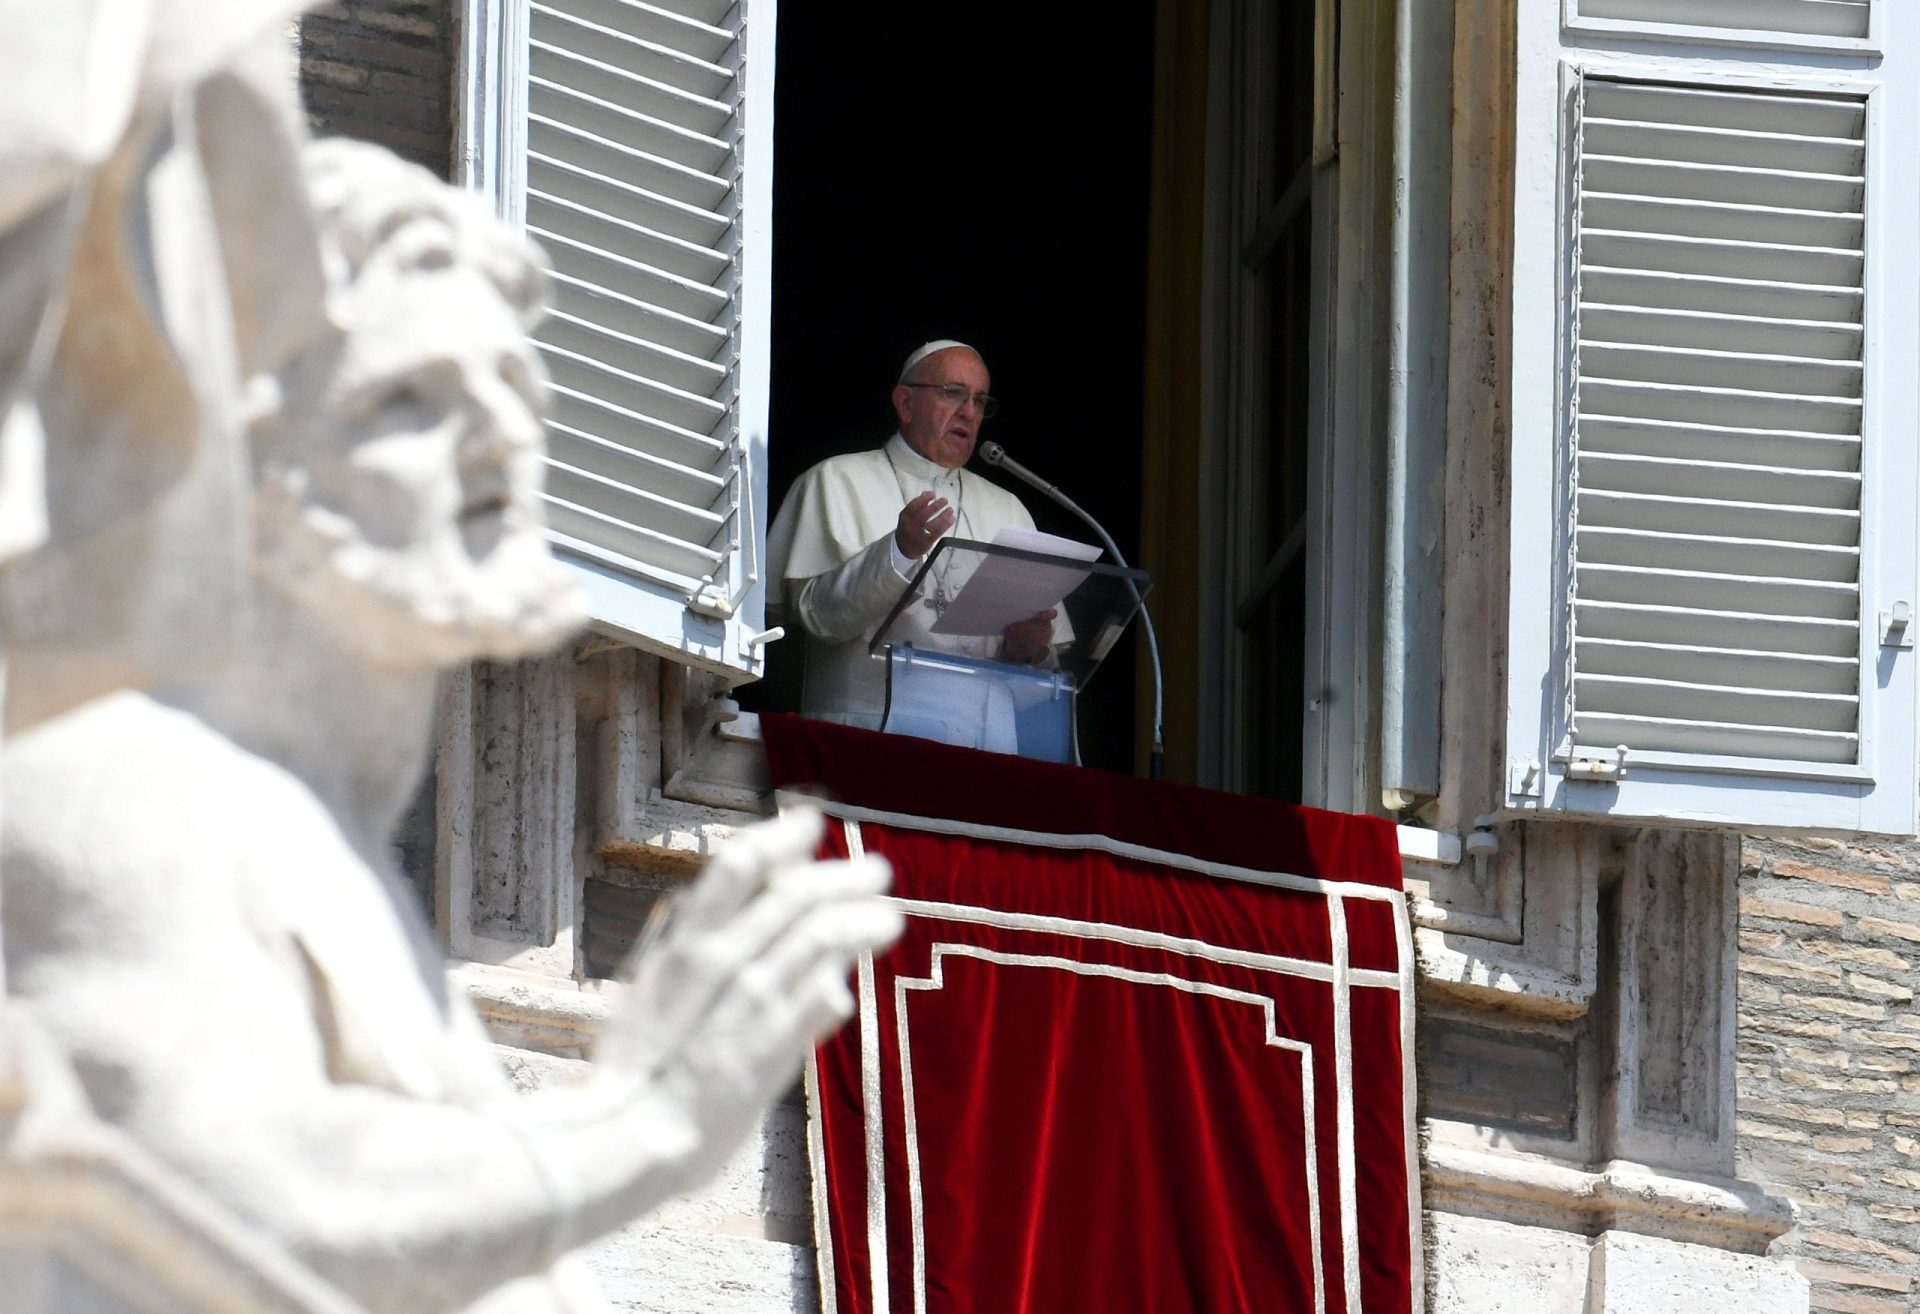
<point>427,478</point>
<point>943,431</point>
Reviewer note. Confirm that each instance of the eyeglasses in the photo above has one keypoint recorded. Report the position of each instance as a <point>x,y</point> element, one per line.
<point>956,394</point>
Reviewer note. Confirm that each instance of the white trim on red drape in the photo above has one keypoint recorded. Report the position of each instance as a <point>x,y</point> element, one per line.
<point>1042,839</point>
<point>936,981</point>
<point>1343,1098</point>
<point>1339,974</point>
<point>870,1099</point>
<point>817,1165</point>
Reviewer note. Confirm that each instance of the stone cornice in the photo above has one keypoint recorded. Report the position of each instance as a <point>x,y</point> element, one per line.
<point>559,1017</point>
<point>1615,1196</point>
<point>529,1011</point>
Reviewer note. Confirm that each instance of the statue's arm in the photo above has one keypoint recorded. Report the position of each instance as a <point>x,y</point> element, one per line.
<point>416,1205</point>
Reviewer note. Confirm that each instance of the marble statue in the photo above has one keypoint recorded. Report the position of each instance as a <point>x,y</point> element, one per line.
<point>155,248</point>
<point>155,244</point>
<point>150,215</point>
<point>70,94</point>
<point>199,905</point>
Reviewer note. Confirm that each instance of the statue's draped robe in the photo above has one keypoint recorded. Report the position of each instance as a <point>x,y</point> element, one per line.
<point>259,1005</point>
<point>156,251</point>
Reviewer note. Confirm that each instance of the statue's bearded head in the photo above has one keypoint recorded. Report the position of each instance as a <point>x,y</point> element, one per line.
<point>400,463</point>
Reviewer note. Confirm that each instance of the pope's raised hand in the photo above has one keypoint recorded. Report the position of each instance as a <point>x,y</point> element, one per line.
<point>922,522</point>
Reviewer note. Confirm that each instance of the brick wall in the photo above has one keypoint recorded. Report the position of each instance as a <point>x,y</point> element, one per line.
<point>382,71</point>
<point>1829,1061</point>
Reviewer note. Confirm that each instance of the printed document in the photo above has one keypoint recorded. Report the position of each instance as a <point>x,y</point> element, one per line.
<point>1007,589</point>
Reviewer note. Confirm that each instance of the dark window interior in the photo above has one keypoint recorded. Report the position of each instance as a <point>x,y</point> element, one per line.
<point>1272,614</point>
<point>977,173</point>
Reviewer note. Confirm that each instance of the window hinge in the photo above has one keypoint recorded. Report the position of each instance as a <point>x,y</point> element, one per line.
<point>1896,626</point>
<point>1523,778</point>
<point>1604,765</point>
<point>751,644</point>
<point>1482,845</point>
<point>710,601</point>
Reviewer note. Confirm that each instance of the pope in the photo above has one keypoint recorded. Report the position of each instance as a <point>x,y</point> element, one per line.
<point>855,528</point>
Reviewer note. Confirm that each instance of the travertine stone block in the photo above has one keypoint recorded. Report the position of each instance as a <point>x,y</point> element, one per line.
<point>1646,1275</point>
<point>619,737</point>
<point>1541,960</point>
<point>1673,1021</point>
<point>711,753</point>
<point>670,1271</point>
<point>1484,1267</point>
<point>505,777</point>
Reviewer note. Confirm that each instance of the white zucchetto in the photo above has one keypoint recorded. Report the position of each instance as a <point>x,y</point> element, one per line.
<point>920,353</point>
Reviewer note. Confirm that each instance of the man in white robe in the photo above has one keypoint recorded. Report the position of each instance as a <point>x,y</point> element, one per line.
<point>854,529</point>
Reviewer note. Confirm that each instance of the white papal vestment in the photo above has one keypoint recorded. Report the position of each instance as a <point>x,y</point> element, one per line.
<point>835,573</point>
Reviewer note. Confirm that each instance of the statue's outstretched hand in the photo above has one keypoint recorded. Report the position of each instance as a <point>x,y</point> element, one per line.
<point>746,974</point>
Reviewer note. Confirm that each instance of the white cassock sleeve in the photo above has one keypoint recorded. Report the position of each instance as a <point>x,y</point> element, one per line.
<point>849,601</point>
<point>832,554</point>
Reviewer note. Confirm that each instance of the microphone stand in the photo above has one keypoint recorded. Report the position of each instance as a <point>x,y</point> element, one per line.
<point>996,455</point>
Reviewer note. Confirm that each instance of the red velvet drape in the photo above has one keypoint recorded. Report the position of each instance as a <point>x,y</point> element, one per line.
<point>1103,1080</point>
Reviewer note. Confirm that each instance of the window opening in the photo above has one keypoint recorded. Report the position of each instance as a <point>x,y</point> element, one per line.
<point>988,182</point>
<point>1272,350</point>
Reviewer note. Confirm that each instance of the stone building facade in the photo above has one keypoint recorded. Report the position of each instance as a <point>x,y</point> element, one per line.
<point>1829,1060</point>
<point>382,72</point>
<point>1638,1046</point>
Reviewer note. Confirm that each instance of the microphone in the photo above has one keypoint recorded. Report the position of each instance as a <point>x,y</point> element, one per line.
<point>996,455</point>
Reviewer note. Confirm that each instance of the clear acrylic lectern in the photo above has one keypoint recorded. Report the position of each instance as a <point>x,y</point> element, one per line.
<point>947,679</point>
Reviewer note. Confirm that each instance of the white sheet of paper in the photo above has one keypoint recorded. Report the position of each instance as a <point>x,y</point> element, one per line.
<point>1004,590</point>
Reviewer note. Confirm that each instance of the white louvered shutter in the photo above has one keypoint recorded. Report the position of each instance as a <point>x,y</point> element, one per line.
<point>642,167</point>
<point>1714,416</point>
<point>1806,23</point>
